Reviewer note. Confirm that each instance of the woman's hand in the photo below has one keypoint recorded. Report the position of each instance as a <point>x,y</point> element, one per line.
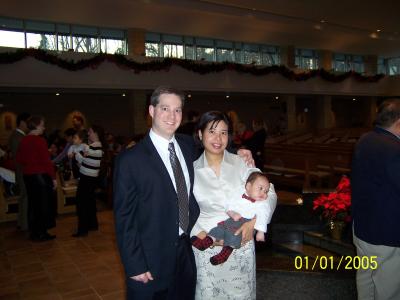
<point>202,234</point>
<point>247,231</point>
<point>246,155</point>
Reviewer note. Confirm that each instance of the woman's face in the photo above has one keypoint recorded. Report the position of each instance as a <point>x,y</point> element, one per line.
<point>215,137</point>
<point>93,137</point>
<point>40,128</point>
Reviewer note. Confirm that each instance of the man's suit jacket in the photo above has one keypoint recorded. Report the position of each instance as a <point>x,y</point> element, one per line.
<point>375,185</point>
<point>14,141</point>
<point>146,212</point>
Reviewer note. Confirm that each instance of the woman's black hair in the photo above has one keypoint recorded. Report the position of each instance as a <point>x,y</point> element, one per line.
<point>100,133</point>
<point>213,117</point>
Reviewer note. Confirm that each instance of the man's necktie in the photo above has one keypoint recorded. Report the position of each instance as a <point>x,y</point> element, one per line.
<point>181,189</point>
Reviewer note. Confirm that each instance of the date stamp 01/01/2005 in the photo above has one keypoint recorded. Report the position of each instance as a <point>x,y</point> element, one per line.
<point>332,263</point>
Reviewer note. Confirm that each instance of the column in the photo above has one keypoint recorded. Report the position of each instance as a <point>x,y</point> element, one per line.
<point>139,111</point>
<point>371,64</point>
<point>325,59</point>
<point>372,110</point>
<point>326,118</point>
<point>288,56</point>
<point>290,112</point>
<point>136,41</point>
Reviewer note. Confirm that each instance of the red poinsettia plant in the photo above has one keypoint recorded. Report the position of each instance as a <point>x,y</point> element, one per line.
<point>336,205</point>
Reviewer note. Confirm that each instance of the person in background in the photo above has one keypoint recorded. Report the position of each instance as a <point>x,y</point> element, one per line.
<point>78,123</point>
<point>14,141</point>
<point>39,178</point>
<point>256,143</point>
<point>375,207</point>
<point>189,127</point>
<point>79,145</point>
<point>68,134</point>
<point>90,163</point>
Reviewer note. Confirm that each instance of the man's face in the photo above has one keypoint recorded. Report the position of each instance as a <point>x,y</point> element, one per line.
<point>166,115</point>
<point>258,189</point>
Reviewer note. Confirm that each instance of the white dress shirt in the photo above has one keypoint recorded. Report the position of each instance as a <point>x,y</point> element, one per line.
<point>214,193</point>
<point>161,145</point>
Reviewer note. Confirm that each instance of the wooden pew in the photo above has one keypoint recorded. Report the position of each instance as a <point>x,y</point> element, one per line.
<point>65,190</point>
<point>5,203</point>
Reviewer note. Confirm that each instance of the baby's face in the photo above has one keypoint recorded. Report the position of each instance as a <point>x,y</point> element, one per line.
<point>258,190</point>
<point>76,140</point>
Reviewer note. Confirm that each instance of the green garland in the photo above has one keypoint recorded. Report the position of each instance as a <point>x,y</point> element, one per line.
<point>189,65</point>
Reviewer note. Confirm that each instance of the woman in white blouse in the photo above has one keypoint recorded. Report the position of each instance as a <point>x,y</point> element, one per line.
<point>217,174</point>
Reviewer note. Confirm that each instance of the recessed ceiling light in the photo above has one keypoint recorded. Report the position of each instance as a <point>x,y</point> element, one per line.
<point>276,97</point>
<point>378,30</point>
<point>57,94</point>
<point>373,35</point>
<point>227,96</point>
<point>354,99</point>
<point>123,95</point>
<point>322,21</point>
<point>189,95</point>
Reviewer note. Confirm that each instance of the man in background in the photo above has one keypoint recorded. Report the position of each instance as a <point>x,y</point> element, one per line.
<point>375,184</point>
<point>20,131</point>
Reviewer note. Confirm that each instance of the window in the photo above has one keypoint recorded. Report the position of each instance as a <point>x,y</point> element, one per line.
<point>225,51</point>
<point>41,41</point>
<point>251,54</point>
<point>348,62</point>
<point>382,66</point>
<point>61,37</point>
<point>306,59</point>
<point>13,39</point>
<point>196,48</point>
<point>270,55</point>
<point>112,46</point>
<point>205,49</point>
<point>394,66</point>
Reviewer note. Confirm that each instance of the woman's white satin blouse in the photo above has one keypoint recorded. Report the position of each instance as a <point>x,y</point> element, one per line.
<point>213,193</point>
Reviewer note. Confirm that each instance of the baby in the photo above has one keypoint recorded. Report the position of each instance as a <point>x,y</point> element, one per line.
<point>242,209</point>
<point>78,144</point>
<point>78,147</point>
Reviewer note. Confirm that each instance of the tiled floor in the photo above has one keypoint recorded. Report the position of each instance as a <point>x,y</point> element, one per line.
<point>66,268</point>
<point>89,267</point>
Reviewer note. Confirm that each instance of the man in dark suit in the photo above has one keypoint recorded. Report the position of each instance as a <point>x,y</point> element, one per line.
<point>151,225</point>
<point>15,139</point>
<point>375,184</point>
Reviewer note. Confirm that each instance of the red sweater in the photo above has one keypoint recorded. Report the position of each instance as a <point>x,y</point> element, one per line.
<point>34,157</point>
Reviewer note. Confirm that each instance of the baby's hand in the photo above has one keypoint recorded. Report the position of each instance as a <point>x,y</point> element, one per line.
<point>234,215</point>
<point>260,236</point>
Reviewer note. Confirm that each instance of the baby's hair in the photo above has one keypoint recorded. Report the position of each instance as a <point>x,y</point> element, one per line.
<point>253,176</point>
<point>82,134</point>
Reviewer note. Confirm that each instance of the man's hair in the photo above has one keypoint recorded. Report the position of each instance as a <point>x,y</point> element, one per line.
<point>22,117</point>
<point>388,113</point>
<point>69,132</point>
<point>253,176</point>
<point>163,89</point>
<point>33,122</point>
